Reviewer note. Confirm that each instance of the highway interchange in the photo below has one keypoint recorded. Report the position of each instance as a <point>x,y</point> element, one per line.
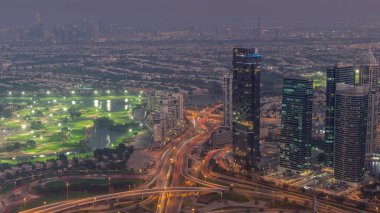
<point>172,168</point>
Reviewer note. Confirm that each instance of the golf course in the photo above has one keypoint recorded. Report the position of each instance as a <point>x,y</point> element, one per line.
<point>43,125</point>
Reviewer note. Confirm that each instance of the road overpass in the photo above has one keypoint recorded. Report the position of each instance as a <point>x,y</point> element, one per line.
<point>64,206</point>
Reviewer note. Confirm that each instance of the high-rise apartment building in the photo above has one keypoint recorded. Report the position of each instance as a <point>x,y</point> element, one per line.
<point>368,75</point>
<point>350,132</point>
<point>340,73</point>
<point>227,100</point>
<point>246,107</point>
<point>165,114</point>
<point>296,124</point>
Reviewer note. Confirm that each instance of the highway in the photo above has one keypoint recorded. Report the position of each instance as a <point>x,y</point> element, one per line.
<point>166,182</point>
<point>268,191</point>
<point>181,158</point>
<point>71,204</point>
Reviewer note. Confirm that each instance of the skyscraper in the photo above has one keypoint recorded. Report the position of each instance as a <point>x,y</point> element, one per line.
<point>340,73</point>
<point>350,132</point>
<point>227,99</point>
<point>296,124</point>
<point>246,106</point>
<point>368,75</point>
<point>179,111</point>
<point>223,135</point>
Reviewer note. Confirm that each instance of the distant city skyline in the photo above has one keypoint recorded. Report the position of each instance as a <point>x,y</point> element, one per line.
<point>180,13</point>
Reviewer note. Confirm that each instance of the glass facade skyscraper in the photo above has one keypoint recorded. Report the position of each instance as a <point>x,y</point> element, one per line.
<point>350,132</point>
<point>246,107</point>
<point>227,100</point>
<point>368,76</point>
<point>340,73</point>
<point>296,124</point>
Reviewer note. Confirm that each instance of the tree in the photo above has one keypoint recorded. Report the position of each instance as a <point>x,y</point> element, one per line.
<point>39,113</point>
<point>74,113</point>
<point>36,125</point>
<point>104,122</point>
<point>62,157</point>
<point>321,158</point>
<point>64,135</point>
<point>17,145</point>
<point>31,143</point>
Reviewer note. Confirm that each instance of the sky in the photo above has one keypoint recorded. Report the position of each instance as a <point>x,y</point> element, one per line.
<point>190,12</point>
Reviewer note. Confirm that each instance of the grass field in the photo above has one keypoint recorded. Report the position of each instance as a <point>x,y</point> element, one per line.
<point>43,120</point>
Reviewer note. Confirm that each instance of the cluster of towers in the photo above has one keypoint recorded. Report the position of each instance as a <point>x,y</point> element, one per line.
<point>351,115</point>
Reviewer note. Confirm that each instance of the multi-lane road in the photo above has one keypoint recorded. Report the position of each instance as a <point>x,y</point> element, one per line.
<point>172,168</point>
<point>166,180</point>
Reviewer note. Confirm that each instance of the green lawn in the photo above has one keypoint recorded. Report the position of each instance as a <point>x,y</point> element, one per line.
<point>53,114</point>
<point>319,78</point>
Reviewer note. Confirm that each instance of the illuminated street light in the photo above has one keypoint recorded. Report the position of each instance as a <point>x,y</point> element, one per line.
<point>67,190</point>
<point>73,92</point>
<point>24,203</point>
<point>109,185</point>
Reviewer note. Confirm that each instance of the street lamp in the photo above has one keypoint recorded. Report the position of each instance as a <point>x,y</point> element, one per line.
<point>140,175</point>
<point>94,201</point>
<point>24,203</point>
<point>67,190</point>
<point>221,196</point>
<point>109,185</point>
<point>193,210</point>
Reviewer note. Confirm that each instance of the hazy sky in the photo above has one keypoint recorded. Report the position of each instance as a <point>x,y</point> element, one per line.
<point>189,12</point>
